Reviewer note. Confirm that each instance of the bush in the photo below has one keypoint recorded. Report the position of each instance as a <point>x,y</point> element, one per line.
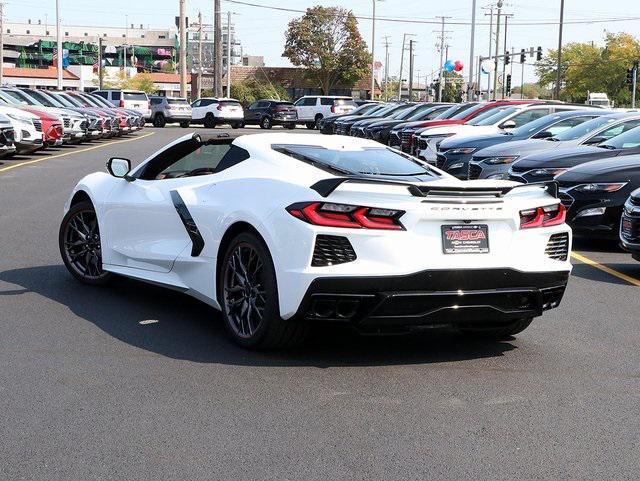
<point>251,90</point>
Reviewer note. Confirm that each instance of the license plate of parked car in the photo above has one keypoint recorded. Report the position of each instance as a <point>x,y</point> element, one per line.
<point>627,227</point>
<point>465,239</point>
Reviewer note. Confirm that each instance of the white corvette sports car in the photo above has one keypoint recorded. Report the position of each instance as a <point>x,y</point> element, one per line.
<point>280,231</point>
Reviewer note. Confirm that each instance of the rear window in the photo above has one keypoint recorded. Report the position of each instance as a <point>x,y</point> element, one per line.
<point>135,96</point>
<point>177,101</point>
<point>367,161</point>
<point>230,103</point>
<point>343,102</point>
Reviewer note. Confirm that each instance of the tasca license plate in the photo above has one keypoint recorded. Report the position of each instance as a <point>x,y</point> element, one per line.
<point>465,239</point>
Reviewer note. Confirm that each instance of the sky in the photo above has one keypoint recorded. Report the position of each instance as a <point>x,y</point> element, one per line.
<point>261,31</point>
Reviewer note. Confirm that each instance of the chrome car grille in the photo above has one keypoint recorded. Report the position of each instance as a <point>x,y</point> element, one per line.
<point>67,122</point>
<point>558,247</point>
<point>37,123</point>
<point>394,138</point>
<point>422,143</point>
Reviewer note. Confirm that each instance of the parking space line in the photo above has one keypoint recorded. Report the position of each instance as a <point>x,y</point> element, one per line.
<point>603,268</point>
<point>64,154</point>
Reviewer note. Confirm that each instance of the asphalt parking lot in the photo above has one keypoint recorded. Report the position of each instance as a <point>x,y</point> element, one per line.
<point>135,382</point>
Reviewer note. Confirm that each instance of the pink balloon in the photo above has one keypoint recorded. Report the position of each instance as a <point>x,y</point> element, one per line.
<point>458,65</point>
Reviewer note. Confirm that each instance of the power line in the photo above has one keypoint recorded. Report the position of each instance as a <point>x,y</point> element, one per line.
<point>436,22</point>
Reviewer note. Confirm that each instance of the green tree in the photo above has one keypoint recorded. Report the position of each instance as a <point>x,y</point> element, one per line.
<point>588,68</point>
<point>327,42</point>
<point>452,91</point>
<point>390,89</point>
<point>252,89</point>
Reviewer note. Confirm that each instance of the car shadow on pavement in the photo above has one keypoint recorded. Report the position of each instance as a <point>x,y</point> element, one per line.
<point>585,271</point>
<point>180,327</point>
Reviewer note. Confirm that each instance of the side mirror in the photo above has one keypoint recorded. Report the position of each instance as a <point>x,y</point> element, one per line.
<point>118,167</point>
<point>508,124</point>
<point>595,140</point>
<point>545,134</point>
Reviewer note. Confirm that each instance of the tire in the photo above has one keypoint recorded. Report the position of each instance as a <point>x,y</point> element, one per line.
<point>310,125</point>
<point>209,121</point>
<point>242,301</point>
<point>79,233</point>
<point>185,124</point>
<point>266,123</point>
<point>502,332</point>
<point>237,125</point>
<point>317,123</point>
<point>290,126</point>
<point>159,121</point>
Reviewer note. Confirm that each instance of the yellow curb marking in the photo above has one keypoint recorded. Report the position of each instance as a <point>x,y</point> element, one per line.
<point>608,270</point>
<point>64,154</point>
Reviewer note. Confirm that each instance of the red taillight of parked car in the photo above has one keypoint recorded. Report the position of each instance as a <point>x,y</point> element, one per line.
<point>333,109</point>
<point>121,104</point>
<point>546,216</point>
<point>347,216</point>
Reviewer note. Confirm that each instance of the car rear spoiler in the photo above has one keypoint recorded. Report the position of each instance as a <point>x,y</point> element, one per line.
<point>326,186</point>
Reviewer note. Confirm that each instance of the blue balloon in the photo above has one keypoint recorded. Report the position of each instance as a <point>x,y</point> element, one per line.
<point>449,66</point>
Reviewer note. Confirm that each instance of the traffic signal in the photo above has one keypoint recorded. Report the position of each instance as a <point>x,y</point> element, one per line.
<point>523,57</point>
<point>507,58</point>
<point>508,85</point>
<point>629,76</point>
<point>539,54</point>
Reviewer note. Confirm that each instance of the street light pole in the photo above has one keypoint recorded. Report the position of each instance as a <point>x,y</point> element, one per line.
<point>1,43</point>
<point>59,46</point>
<point>470,95</point>
<point>199,87</point>
<point>495,61</point>
<point>558,76</point>
<point>228,54</point>
<point>404,37</point>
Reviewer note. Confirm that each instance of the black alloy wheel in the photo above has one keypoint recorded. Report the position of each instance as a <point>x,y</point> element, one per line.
<point>159,121</point>
<point>210,121</point>
<point>184,124</point>
<point>265,123</point>
<point>80,247</point>
<point>248,295</point>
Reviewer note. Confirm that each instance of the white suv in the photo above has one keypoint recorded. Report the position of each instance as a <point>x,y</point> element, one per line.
<point>313,108</point>
<point>127,99</point>
<point>212,111</point>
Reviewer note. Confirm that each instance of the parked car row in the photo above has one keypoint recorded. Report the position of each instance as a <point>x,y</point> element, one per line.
<point>31,120</point>
<point>591,153</point>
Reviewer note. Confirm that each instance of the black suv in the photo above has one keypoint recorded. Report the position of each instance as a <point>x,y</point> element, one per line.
<point>267,113</point>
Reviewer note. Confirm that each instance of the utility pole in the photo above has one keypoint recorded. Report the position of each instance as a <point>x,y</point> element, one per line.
<point>386,66</point>
<point>199,86</point>
<point>489,56</point>
<point>404,37</point>
<point>228,54</point>
<point>634,84</point>
<point>217,50</point>
<point>100,63</point>
<point>558,76</point>
<point>495,60</point>
<point>1,43</point>
<point>410,70</point>
<point>373,42</point>
<point>470,95</point>
<point>441,67</point>
<point>58,45</point>
<point>183,50</point>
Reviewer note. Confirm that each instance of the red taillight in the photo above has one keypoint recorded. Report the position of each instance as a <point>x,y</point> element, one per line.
<point>347,216</point>
<point>121,104</point>
<point>333,109</point>
<point>543,216</point>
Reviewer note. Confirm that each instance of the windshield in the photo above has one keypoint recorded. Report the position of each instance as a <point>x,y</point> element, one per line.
<point>44,99</point>
<point>406,114</point>
<point>492,116</point>
<point>96,99</point>
<point>583,129</point>
<point>397,114</point>
<point>368,160</point>
<point>71,100</point>
<point>599,102</point>
<point>366,108</point>
<point>471,110</point>
<point>426,114</point>
<point>22,97</point>
<point>628,140</point>
<point>535,126</point>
